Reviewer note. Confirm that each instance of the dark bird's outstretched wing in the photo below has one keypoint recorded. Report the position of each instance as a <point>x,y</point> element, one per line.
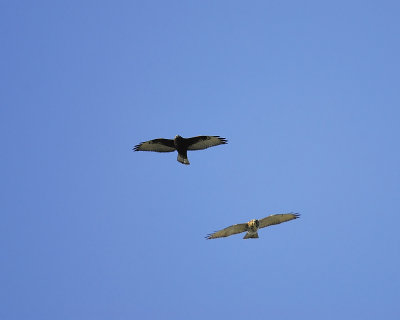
<point>236,228</point>
<point>157,145</point>
<point>277,218</point>
<point>204,142</point>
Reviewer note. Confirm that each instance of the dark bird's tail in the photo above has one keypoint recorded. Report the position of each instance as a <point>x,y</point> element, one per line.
<point>182,158</point>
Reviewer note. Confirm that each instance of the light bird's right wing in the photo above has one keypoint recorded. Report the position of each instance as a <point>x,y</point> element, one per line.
<point>236,228</point>
<point>157,145</point>
<point>277,218</point>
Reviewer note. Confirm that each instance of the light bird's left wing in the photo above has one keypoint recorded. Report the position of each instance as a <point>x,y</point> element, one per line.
<point>236,228</point>
<point>204,142</point>
<point>277,218</point>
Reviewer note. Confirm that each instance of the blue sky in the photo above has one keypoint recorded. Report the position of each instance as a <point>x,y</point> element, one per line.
<point>307,93</point>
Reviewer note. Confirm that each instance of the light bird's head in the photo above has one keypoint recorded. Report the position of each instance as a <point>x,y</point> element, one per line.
<point>253,224</point>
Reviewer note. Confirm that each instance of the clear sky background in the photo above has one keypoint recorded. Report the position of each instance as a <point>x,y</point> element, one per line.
<point>306,92</point>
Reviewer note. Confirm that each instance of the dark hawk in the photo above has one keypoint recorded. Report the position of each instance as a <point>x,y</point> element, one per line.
<point>182,145</point>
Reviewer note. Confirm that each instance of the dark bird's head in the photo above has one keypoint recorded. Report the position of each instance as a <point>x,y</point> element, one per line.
<point>178,141</point>
<point>253,224</point>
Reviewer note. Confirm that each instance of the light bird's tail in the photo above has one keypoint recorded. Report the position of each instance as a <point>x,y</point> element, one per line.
<point>251,235</point>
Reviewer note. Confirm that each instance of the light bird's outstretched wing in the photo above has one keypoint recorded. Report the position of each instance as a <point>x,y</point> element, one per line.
<point>204,142</point>
<point>236,228</point>
<point>157,145</point>
<point>277,218</point>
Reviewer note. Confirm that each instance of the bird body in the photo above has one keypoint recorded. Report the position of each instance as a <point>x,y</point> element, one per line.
<point>181,145</point>
<point>251,228</point>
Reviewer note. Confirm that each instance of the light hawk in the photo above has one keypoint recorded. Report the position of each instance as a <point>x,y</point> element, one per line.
<point>253,225</point>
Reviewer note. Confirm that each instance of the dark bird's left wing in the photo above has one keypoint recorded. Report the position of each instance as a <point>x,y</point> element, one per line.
<point>157,145</point>
<point>204,142</point>
<point>236,228</point>
<point>277,218</point>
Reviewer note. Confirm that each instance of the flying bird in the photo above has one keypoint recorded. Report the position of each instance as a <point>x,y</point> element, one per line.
<point>182,145</point>
<point>253,225</point>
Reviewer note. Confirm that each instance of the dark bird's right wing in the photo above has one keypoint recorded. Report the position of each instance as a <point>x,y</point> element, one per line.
<point>204,142</point>
<point>236,228</point>
<point>157,145</point>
